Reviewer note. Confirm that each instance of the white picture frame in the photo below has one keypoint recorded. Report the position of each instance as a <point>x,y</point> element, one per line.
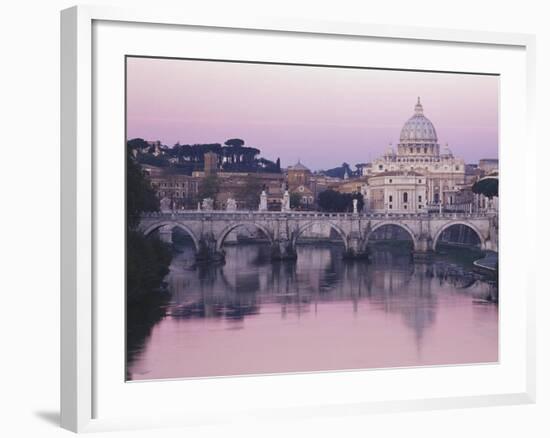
<point>82,373</point>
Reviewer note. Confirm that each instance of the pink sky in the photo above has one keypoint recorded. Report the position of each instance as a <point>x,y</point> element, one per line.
<point>322,116</point>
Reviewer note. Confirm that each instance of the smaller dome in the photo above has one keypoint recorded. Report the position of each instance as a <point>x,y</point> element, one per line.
<point>447,150</point>
<point>298,166</point>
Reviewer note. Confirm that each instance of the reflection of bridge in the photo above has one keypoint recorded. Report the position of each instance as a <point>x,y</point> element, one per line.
<point>209,229</point>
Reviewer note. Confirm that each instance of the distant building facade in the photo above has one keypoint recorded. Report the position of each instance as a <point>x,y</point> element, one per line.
<point>307,185</point>
<point>210,163</point>
<point>396,192</point>
<point>488,165</point>
<point>177,191</point>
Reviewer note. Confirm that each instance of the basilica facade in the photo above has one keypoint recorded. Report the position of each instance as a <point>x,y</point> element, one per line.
<point>418,154</point>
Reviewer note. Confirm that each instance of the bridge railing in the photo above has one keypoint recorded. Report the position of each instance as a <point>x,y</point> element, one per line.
<point>254,214</point>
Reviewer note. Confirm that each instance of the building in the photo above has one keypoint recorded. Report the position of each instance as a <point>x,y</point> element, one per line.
<point>396,192</point>
<point>245,189</point>
<point>419,151</point>
<point>298,179</point>
<point>488,165</point>
<point>301,181</point>
<point>351,185</point>
<point>210,163</point>
<point>298,175</point>
<point>179,191</point>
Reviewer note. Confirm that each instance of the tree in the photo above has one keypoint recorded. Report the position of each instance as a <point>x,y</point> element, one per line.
<point>140,196</point>
<point>137,143</point>
<point>249,193</point>
<point>210,187</point>
<point>235,142</point>
<point>295,200</point>
<point>147,258</point>
<point>331,200</point>
<point>360,201</point>
<point>487,187</point>
<point>339,172</point>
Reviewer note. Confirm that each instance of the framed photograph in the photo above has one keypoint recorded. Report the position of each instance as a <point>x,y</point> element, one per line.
<point>257,208</point>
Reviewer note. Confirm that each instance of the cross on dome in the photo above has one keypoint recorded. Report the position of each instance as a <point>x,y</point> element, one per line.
<point>418,110</point>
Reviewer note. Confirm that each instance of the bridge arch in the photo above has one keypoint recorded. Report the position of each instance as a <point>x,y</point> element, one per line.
<point>397,224</point>
<point>459,222</point>
<point>225,232</point>
<point>333,226</point>
<point>171,225</point>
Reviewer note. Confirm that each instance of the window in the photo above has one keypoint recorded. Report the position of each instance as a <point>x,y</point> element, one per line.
<point>390,206</point>
<point>380,167</point>
<point>419,198</point>
<point>405,207</point>
<point>391,198</point>
<point>405,197</point>
<point>419,181</point>
<point>419,207</point>
<point>411,149</point>
<point>391,180</point>
<point>425,150</point>
<point>417,150</point>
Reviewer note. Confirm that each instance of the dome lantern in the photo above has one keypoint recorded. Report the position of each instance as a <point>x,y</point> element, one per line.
<point>418,110</point>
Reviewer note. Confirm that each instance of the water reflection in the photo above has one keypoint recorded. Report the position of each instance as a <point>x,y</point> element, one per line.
<point>392,312</point>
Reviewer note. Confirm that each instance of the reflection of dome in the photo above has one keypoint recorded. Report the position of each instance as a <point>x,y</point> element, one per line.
<point>418,129</point>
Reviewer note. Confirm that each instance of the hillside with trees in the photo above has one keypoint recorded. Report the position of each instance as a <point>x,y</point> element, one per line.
<point>233,156</point>
<point>339,172</point>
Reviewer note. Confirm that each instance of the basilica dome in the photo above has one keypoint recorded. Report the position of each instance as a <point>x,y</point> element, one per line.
<point>418,129</point>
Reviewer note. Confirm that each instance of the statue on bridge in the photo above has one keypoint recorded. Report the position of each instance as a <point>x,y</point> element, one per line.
<point>263,201</point>
<point>165,205</point>
<point>231,205</point>
<point>207,204</point>
<point>285,206</point>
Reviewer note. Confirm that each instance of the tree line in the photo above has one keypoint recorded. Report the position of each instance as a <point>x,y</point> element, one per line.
<point>233,156</point>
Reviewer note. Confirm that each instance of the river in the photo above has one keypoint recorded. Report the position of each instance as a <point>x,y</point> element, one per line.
<point>253,316</point>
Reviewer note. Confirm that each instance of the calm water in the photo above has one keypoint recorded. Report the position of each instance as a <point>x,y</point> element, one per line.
<point>253,316</point>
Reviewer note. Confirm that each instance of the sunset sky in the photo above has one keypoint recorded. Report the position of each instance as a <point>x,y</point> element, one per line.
<point>322,116</point>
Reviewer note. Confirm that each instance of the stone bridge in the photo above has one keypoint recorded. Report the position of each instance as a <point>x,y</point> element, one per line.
<point>209,229</point>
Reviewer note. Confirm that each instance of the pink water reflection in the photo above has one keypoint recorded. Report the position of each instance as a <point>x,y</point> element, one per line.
<point>335,317</point>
